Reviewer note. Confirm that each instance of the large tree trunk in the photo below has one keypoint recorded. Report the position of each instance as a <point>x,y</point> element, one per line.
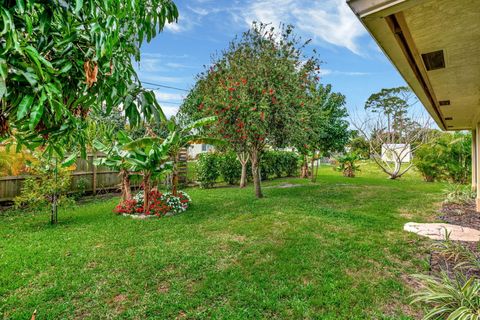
<point>256,173</point>
<point>146,191</point>
<point>125,186</point>
<point>243,157</point>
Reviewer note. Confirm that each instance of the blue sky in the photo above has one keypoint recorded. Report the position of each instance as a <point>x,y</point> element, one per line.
<point>353,63</point>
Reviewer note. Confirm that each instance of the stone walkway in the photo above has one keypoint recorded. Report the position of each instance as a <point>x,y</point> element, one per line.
<point>438,231</point>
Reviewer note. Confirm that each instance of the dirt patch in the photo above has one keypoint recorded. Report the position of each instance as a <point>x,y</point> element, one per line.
<point>463,215</point>
<point>119,298</point>
<point>163,287</point>
<point>285,185</point>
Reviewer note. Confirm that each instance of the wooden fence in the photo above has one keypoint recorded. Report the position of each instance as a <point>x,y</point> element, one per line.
<point>86,177</point>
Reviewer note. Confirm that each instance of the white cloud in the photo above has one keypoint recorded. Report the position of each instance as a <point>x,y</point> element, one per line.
<point>162,79</point>
<point>169,110</point>
<point>176,65</point>
<point>185,23</point>
<point>329,21</point>
<point>171,97</point>
<point>327,72</point>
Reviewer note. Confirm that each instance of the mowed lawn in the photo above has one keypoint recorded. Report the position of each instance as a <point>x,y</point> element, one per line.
<point>330,250</point>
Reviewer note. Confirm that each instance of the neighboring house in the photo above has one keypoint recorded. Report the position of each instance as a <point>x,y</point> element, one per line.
<point>402,151</point>
<point>197,148</point>
<point>435,45</point>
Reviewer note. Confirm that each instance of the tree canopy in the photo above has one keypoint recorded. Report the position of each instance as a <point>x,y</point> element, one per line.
<point>61,60</point>
<point>256,88</point>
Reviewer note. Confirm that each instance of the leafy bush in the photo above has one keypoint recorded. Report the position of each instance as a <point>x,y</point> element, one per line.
<point>458,194</point>
<point>279,164</point>
<point>427,161</point>
<point>267,165</point>
<point>42,184</point>
<point>211,166</point>
<point>290,163</point>
<point>452,298</point>
<point>160,204</point>
<point>208,169</point>
<point>447,157</point>
<point>348,164</point>
<point>230,168</point>
<point>360,146</point>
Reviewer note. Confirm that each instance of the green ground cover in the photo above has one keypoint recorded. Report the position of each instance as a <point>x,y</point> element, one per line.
<point>330,250</point>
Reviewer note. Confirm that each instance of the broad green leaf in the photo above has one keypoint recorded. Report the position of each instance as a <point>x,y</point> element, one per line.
<point>70,160</point>
<point>3,88</point>
<point>78,6</point>
<point>66,67</point>
<point>24,106</point>
<point>37,112</point>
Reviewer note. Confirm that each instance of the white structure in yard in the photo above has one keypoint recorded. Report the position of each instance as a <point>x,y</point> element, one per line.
<point>197,148</point>
<point>403,151</point>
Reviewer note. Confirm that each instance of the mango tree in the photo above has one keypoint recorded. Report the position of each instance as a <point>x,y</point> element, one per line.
<point>61,60</point>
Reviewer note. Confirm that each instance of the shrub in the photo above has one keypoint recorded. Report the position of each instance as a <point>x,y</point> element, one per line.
<point>127,207</point>
<point>458,194</point>
<point>272,164</point>
<point>161,204</point>
<point>267,164</point>
<point>348,164</point>
<point>454,298</point>
<point>427,161</point>
<point>291,164</point>
<point>279,164</point>
<point>230,168</point>
<point>447,157</point>
<point>208,169</point>
<point>460,255</point>
<point>360,146</point>
<point>39,188</point>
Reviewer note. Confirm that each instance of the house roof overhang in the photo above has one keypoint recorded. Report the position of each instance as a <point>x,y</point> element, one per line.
<point>435,45</point>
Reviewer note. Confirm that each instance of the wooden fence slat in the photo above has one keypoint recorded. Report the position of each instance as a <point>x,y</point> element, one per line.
<point>94,179</point>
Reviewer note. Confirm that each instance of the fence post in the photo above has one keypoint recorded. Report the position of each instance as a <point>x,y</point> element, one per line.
<point>94,174</point>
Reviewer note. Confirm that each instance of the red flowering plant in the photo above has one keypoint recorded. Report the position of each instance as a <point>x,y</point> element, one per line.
<point>256,89</point>
<point>126,207</point>
<point>160,204</point>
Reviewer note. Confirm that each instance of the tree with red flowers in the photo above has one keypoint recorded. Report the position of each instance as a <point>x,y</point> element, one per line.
<point>256,89</point>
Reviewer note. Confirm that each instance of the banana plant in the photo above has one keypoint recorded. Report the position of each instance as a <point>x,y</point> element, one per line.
<point>150,156</point>
<point>180,137</point>
<point>116,157</point>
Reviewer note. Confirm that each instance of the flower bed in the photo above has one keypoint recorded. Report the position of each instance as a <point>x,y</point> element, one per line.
<point>160,204</point>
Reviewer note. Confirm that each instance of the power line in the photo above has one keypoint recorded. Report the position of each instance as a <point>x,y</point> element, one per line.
<point>164,86</point>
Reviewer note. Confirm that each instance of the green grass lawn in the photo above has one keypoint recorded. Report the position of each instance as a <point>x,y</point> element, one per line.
<point>330,250</point>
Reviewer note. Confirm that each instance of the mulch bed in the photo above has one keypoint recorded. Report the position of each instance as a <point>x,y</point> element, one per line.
<point>463,215</point>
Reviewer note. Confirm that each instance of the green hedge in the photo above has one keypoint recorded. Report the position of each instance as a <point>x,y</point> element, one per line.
<point>273,164</point>
<point>208,169</point>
